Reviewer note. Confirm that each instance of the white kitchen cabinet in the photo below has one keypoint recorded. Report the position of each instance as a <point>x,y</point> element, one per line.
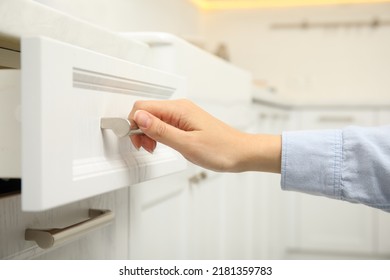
<point>330,227</point>
<point>14,222</point>
<point>54,142</point>
<point>65,93</point>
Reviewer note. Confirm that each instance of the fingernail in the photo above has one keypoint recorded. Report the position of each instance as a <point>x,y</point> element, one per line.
<point>150,151</point>
<point>142,119</point>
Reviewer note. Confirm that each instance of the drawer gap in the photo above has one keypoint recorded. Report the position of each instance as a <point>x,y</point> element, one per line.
<point>10,187</point>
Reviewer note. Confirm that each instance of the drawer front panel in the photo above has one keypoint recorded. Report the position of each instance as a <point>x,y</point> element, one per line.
<point>66,156</point>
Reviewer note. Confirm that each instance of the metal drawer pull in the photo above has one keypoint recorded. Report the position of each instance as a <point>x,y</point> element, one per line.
<point>195,179</point>
<point>121,127</point>
<point>336,119</point>
<point>47,238</point>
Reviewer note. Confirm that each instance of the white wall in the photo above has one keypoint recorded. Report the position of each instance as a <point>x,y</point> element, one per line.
<point>174,16</point>
<point>337,64</point>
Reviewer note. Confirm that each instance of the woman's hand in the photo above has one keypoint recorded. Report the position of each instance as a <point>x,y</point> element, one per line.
<point>201,138</point>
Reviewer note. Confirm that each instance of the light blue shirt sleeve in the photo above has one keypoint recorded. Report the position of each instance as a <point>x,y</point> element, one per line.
<point>351,164</point>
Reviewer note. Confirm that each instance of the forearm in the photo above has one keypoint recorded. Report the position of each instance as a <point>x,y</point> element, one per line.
<point>260,152</point>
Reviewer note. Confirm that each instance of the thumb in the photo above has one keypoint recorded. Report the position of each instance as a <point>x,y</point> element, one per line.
<point>159,130</point>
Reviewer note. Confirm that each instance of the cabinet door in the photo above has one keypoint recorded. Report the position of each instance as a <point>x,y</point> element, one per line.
<point>66,156</point>
<point>237,216</point>
<point>206,214</point>
<point>330,226</point>
<point>158,218</point>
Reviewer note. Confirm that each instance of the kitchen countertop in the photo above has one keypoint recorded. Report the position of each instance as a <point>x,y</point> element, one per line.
<point>29,18</point>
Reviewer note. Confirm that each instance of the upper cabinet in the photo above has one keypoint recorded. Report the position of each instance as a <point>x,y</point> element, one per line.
<point>66,91</point>
<point>208,76</point>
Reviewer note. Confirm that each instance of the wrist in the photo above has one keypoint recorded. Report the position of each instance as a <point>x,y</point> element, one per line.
<point>260,152</point>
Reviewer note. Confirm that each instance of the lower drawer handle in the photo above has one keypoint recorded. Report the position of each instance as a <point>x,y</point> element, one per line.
<point>47,238</point>
<point>336,119</point>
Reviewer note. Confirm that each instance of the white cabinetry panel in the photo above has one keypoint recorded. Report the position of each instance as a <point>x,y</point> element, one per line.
<point>207,214</point>
<point>158,218</point>
<point>66,156</point>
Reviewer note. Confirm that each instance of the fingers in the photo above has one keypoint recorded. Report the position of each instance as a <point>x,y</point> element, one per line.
<point>167,111</point>
<point>185,127</point>
<point>156,130</point>
<point>143,141</point>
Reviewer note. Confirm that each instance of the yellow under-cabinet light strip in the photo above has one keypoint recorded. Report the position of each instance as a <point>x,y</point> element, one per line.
<point>250,4</point>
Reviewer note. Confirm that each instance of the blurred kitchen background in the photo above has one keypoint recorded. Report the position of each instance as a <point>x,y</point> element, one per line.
<point>299,65</point>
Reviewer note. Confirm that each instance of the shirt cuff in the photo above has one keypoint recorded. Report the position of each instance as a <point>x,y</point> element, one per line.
<point>312,161</point>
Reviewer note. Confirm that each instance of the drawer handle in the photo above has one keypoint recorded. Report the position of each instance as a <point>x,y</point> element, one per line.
<point>47,238</point>
<point>121,127</point>
<point>336,119</point>
<point>195,179</point>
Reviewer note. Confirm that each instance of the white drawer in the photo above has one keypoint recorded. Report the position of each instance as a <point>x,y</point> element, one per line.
<point>65,92</point>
